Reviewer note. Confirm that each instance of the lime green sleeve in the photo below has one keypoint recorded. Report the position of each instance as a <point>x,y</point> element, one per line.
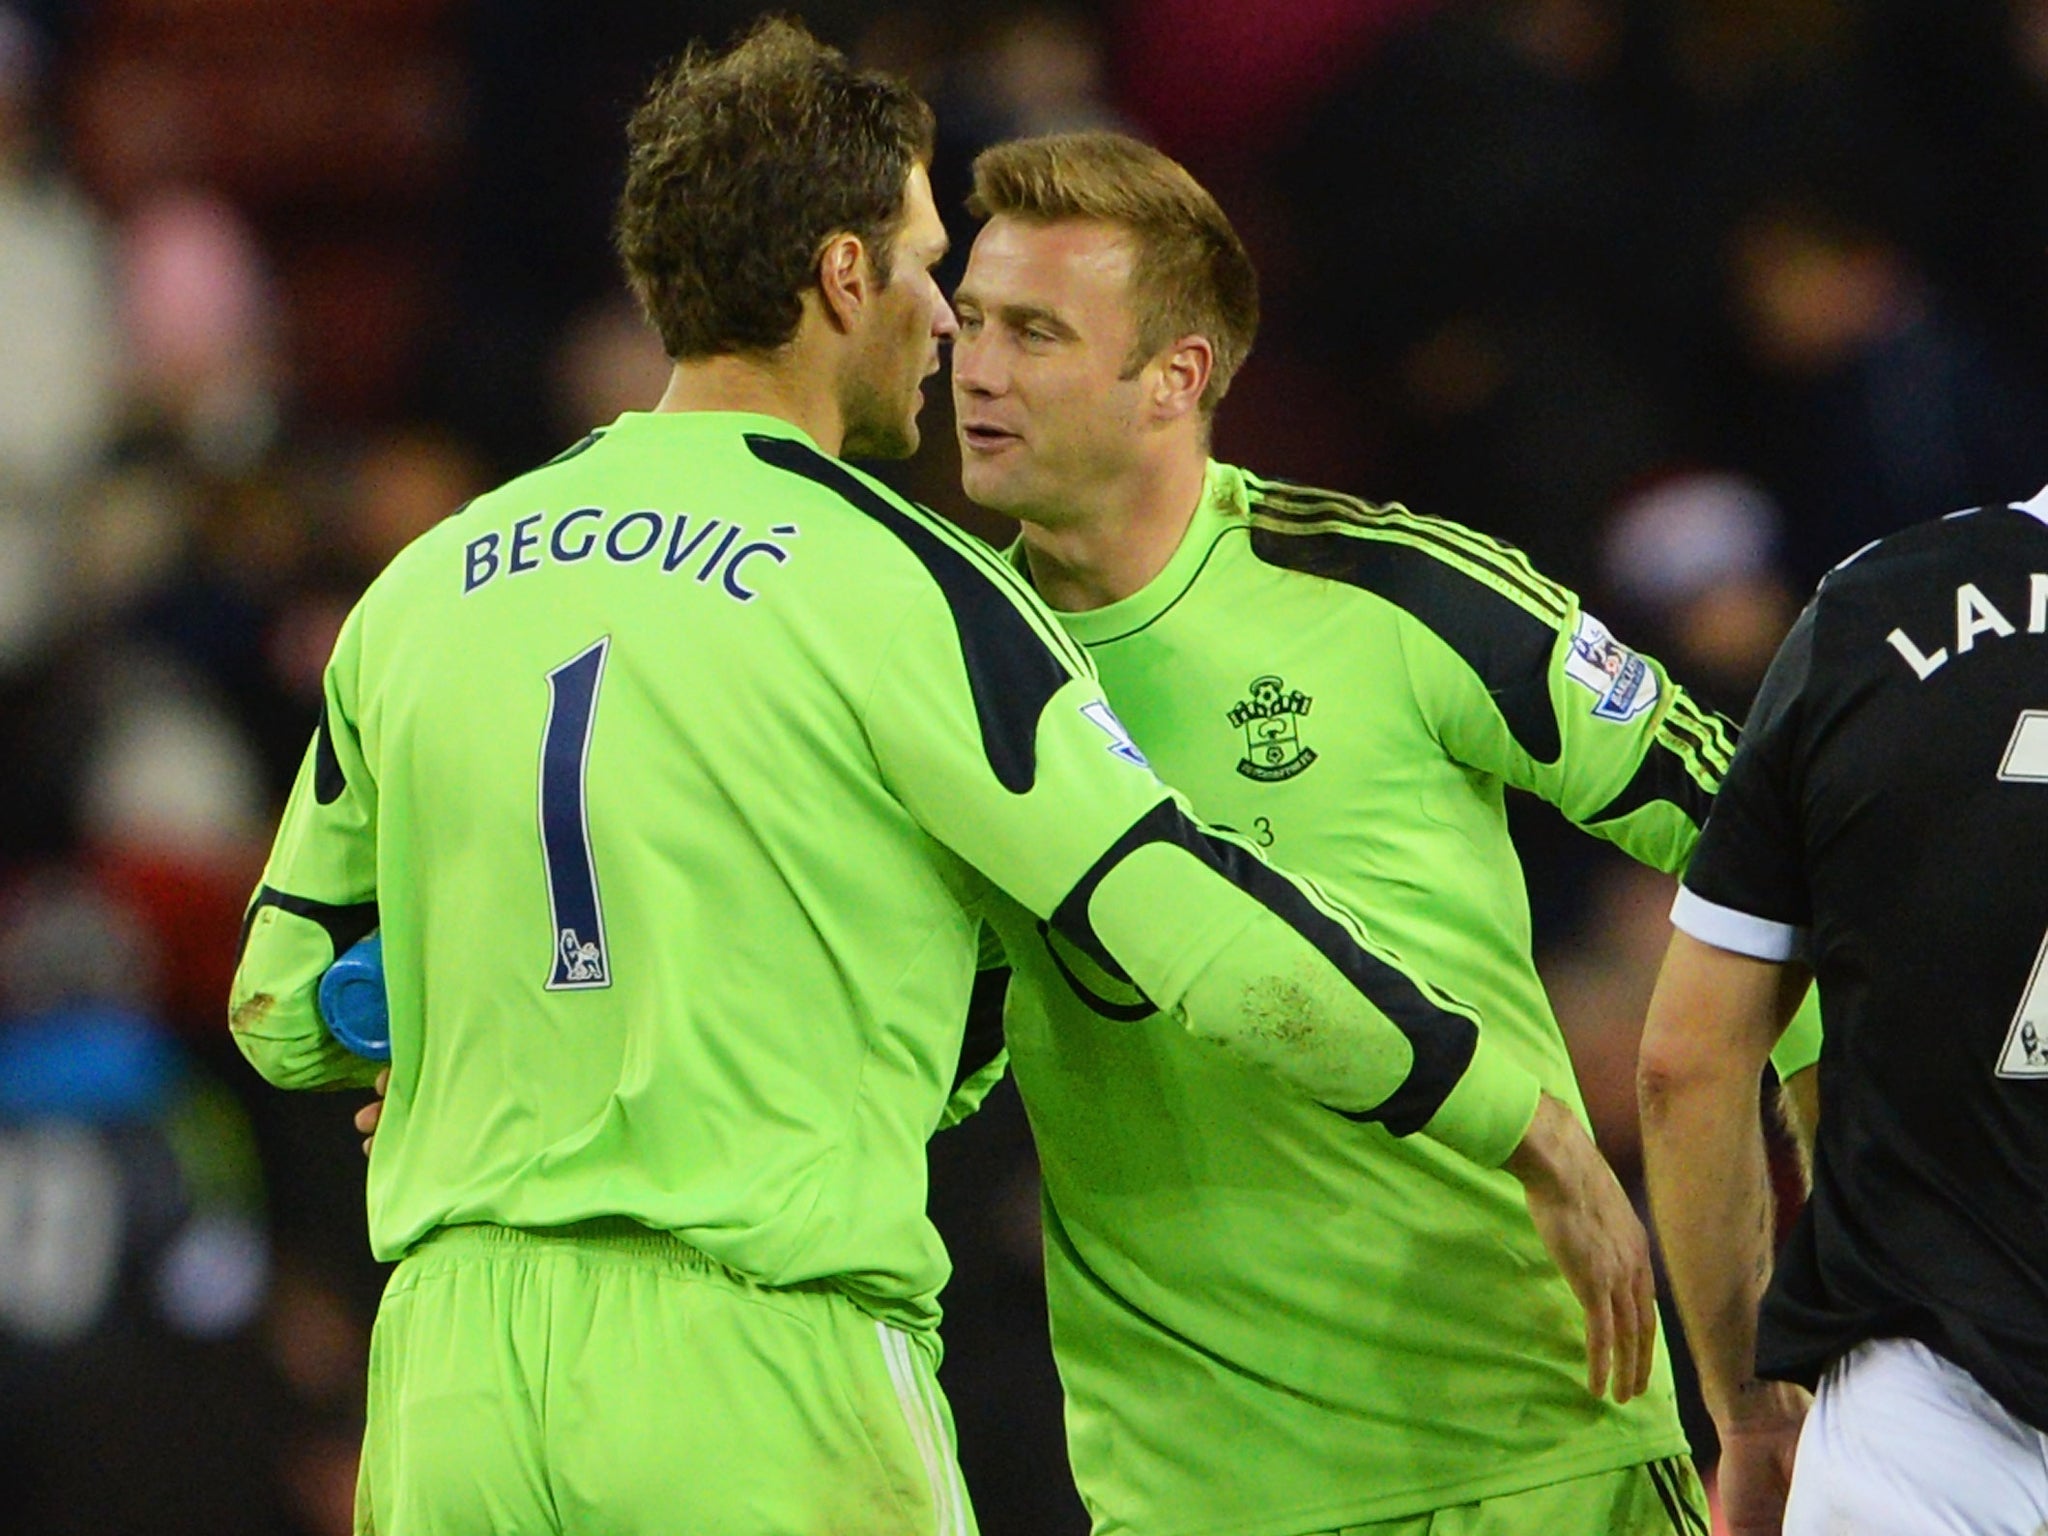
<point>1033,781</point>
<point>317,897</point>
<point>1599,730</point>
<point>968,1096</point>
<point>1799,1047</point>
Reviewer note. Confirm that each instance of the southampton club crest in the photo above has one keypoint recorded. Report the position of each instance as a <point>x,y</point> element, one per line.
<point>1271,718</point>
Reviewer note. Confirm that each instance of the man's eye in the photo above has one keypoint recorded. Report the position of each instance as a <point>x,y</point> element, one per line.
<point>1039,334</point>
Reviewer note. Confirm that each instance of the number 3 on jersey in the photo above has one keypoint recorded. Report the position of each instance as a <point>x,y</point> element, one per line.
<point>2026,1043</point>
<point>581,960</point>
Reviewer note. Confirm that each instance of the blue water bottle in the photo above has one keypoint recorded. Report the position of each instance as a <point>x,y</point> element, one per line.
<point>352,1000</point>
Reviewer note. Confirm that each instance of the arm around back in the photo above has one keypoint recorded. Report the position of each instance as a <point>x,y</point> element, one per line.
<point>989,726</point>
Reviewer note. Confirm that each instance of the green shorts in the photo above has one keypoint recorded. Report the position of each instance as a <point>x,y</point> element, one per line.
<point>1652,1498</point>
<point>608,1380</point>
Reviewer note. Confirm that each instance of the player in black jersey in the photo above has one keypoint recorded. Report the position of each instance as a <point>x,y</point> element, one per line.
<point>1885,826</point>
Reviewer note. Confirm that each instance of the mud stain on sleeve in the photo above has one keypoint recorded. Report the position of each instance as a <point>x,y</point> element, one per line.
<point>251,1011</point>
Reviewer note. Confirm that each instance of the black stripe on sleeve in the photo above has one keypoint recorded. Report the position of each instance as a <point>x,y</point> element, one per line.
<point>1714,733</point>
<point>328,779</point>
<point>1010,669</point>
<point>1504,643</point>
<point>1698,732</point>
<point>1105,1007</point>
<point>1661,775</point>
<point>344,924</point>
<point>1443,1042</point>
<point>1299,504</point>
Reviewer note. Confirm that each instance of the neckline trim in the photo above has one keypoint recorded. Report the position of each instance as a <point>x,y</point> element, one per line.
<point>1215,515</point>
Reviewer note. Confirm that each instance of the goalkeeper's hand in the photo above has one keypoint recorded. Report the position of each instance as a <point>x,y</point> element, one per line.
<point>368,1116</point>
<point>1596,1238</point>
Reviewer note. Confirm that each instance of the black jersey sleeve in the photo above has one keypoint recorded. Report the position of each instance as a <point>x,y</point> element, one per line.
<point>1746,889</point>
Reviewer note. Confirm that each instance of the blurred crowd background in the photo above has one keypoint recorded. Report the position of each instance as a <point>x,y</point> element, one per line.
<point>1689,298</point>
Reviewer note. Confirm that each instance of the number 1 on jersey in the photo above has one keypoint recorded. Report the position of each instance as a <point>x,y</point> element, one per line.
<point>581,960</point>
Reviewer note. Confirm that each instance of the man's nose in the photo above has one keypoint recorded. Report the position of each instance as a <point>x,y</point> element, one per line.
<point>971,367</point>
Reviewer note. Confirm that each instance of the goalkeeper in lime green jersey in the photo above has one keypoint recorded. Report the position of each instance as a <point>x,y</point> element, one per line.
<point>680,777</point>
<point>1266,1326</point>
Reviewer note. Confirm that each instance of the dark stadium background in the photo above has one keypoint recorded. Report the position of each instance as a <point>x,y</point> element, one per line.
<point>1689,298</point>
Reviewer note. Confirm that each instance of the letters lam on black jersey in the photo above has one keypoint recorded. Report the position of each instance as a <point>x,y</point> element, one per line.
<point>1887,816</point>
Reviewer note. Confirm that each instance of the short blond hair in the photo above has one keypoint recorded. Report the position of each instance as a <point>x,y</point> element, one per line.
<point>1190,274</point>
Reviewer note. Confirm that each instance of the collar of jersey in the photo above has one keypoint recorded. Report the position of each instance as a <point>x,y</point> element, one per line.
<point>1221,509</point>
<point>710,421</point>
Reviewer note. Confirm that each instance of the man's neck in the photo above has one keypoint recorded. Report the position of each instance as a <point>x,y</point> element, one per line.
<point>783,384</point>
<point>1103,553</point>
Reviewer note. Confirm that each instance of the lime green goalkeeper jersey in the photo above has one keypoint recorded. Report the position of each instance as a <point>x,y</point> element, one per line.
<point>1266,1325</point>
<point>680,776</point>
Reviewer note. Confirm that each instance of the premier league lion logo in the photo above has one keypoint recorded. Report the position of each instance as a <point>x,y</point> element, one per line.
<point>581,962</point>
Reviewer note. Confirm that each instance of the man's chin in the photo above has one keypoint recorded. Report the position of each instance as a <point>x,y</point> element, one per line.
<point>881,442</point>
<point>986,487</point>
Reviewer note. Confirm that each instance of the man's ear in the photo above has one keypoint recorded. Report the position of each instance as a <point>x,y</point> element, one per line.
<point>845,279</point>
<point>1183,374</point>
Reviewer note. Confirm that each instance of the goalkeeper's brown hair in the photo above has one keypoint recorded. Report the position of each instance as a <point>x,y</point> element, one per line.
<point>741,166</point>
<point>1190,274</point>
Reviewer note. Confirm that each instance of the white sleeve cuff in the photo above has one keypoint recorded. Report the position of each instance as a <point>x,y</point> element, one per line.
<point>1726,928</point>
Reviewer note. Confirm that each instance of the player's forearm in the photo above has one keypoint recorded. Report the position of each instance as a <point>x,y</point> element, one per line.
<point>1709,1028</point>
<point>284,1040</point>
<point>273,1011</point>
<point>1283,985</point>
<point>1703,1158</point>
